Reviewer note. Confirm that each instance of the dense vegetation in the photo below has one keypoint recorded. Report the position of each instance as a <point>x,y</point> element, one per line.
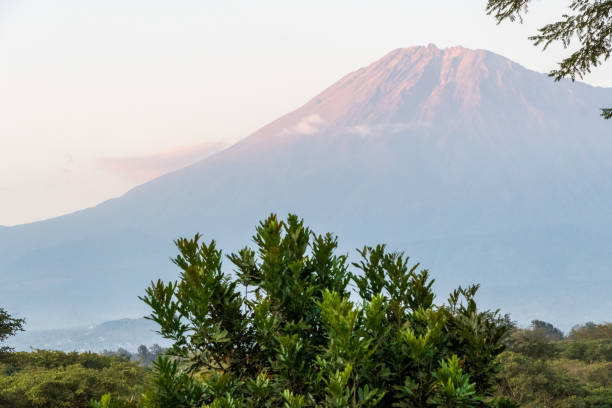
<point>542,368</point>
<point>9,326</point>
<point>286,330</point>
<point>53,379</point>
<point>144,356</point>
<point>295,327</point>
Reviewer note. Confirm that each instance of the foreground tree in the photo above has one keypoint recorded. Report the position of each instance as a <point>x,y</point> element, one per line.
<point>9,326</point>
<point>286,331</point>
<point>589,22</point>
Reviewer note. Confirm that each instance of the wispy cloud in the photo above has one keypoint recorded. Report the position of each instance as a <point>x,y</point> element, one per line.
<point>140,169</point>
<point>360,130</point>
<point>365,131</point>
<point>307,126</point>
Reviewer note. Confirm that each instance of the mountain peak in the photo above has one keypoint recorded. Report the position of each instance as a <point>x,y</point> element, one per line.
<point>484,170</point>
<point>422,54</point>
<point>411,88</point>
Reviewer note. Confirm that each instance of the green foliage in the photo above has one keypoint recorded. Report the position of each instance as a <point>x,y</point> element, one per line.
<point>591,331</point>
<point>172,387</point>
<point>287,331</point>
<point>541,370</point>
<point>588,21</point>
<point>455,389</point>
<point>107,402</point>
<point>145,356</point>
<point>548,330</point>
<point>55,379</point>
<point>9,326</point>
<point>534,343</point>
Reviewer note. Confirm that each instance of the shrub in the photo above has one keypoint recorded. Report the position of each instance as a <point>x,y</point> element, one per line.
<point>287,330</point>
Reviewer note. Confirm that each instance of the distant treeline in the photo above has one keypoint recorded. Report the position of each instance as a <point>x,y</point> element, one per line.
<point>542,367</point>
<point>51,379</point>
<point>144,356</point>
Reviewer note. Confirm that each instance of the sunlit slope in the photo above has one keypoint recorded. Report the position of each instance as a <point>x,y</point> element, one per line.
<point>475,166</point>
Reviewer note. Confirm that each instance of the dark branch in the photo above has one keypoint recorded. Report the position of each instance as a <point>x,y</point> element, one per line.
<point>507,9</point>
<point>589,22</point>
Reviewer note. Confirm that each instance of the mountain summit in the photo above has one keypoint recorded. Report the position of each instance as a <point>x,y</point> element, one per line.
<point>420,87</point>
<point>478,168</point>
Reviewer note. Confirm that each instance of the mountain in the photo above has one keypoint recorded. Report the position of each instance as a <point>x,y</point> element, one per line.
<point>478,168</point>
<point>125,333</point>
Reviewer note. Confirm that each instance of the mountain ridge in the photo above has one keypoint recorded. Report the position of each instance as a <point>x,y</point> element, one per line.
<point>107,336</point>
<point>371,161</point>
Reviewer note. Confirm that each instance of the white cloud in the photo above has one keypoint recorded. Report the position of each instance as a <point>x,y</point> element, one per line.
<point>360,130</point>
<point>307,126</point>
<point>368,131</point>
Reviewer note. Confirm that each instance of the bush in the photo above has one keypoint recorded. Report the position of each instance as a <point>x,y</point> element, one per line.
<point>287,330</point>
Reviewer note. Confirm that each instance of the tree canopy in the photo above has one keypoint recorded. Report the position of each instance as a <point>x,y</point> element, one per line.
<point>589,22</point>
<point>54,379</point>
<point>9,326</point>
<point>544,369</point>
<point>296,326</point>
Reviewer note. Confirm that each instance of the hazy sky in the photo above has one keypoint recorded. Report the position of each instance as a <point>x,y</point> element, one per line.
<point>98,96</point>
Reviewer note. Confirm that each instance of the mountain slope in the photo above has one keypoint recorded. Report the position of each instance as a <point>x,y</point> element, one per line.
<point>125,333</point>
<point>477,167</point>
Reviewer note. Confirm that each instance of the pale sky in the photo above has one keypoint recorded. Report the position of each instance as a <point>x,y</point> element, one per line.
<point>99,96</point>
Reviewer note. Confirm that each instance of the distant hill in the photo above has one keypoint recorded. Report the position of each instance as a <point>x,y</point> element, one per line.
<point>478,168</point>
<point>124,333</point>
